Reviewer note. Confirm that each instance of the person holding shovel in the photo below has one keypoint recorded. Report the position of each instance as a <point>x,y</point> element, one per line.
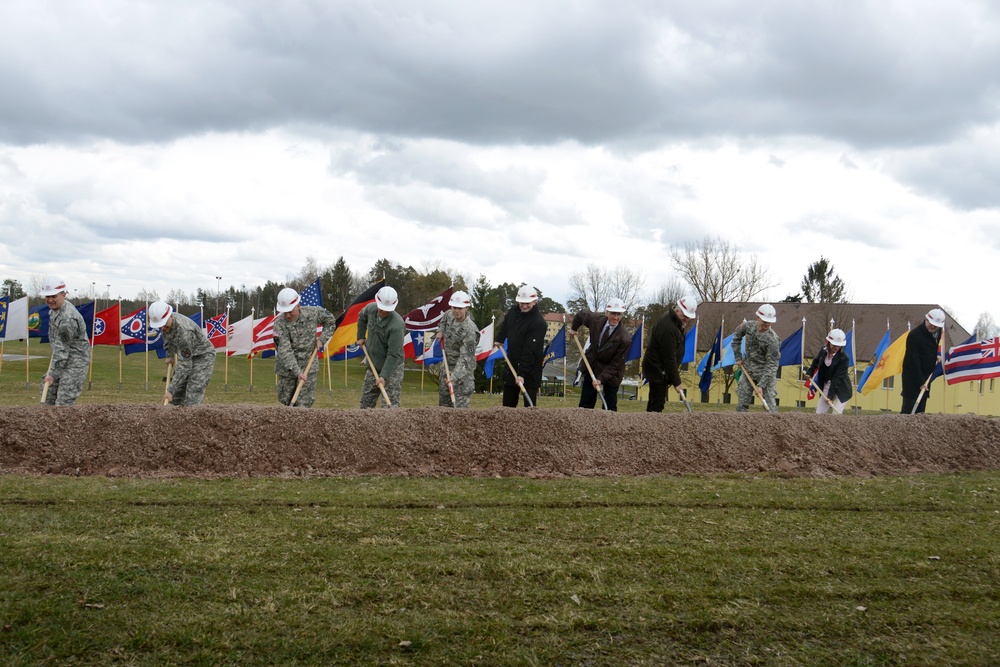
<point>828,374</point>
<point>188,343</point>
<point>459,336</point>
<point>606,352</point>
<point>759,366</point>
<point>663,355</point>
<point>919,360</point>
<point>524,330</point>
<point>296,346</point>
<point>380,333</point>
<point>67,371</point>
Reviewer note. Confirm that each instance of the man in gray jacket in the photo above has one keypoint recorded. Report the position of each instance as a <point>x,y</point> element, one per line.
<point>195,355</point>
<point>295,343</point>
<point>381,331</point>
<point>70,346</point>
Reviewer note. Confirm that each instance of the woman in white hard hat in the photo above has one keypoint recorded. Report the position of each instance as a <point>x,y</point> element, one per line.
<point>195,355</point>
<point>459,336</point>
<point>70,346</point>
<point>828,372</point>
<point>523,328</point>
<point>919,360</point>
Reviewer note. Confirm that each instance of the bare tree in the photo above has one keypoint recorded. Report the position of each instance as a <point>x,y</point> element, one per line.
<point>986,326</point>
<point>717,271</point>
<point>176,297</point>
<point>593,287</point>
<point>669,293</point>
<point>147,296</point>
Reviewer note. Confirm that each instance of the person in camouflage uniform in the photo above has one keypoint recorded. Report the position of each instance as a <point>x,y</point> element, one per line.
<point>295,342</point>
<point>195,355</point>
<point>381,331</point>
<point>459,336</point>
<point>70,346</point>
<point>763,350</point>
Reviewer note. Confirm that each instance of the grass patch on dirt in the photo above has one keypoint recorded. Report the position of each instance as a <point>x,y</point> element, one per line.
<point>727,570</point>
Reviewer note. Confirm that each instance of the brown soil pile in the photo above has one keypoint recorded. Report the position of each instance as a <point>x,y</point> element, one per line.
<point>251,441</point>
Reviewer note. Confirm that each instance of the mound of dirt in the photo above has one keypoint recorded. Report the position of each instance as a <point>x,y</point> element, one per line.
<point>253,441</point>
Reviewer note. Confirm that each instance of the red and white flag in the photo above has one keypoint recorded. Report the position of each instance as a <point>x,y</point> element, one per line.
<point>263,335</point>
<point>427,316</point>
<point>485,345</point>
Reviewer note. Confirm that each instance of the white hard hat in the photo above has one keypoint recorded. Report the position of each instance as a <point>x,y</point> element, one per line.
<point>287,300</point>
<point>936,317</point>
<point>526,294</point>
<point>386,299</point>
<point>766,313</point>
<point>459,299</point>
<point>688,305</point>
<point>615,305</point>
<point>158,314</point>
<point>837,338</point>
<point>52,286</point>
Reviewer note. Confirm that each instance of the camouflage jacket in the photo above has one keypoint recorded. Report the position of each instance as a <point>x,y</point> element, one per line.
<point>295,341</point>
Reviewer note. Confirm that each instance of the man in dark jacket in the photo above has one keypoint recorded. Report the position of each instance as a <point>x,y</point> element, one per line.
<point>524,330</point>
<point>606,352</point>
<point>665,351</point>
<point>919,361</point>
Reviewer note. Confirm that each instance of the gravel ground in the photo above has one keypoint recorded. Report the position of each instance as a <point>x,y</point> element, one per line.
<point>254,441</point>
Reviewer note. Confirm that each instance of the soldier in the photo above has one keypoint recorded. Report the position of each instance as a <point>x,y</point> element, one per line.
<point>459,336</point>
<point>195,354</point>
<point>665,351</point>
<point>381,327</point>
<point>70,346</point>
<point>609,345</point>
<point>761,360</point>
<point>524,330</point>
<point>295,342</point>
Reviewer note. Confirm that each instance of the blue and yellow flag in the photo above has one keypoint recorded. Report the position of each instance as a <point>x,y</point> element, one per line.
<point>890,363</point>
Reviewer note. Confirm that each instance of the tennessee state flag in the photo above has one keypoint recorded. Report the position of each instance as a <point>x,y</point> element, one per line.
<point>106,326</point>
<point>347,324</point>
<point>888,365</point>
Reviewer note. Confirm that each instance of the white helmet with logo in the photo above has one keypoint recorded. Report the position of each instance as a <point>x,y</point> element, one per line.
<point>526,294</point>
<point>386,299</point>
<point>616,305</point>
<point>52,286</point>
<point>287,300</point>
<point>837,338</point>
<point>936,317</point>
<point>459,299</point>
<point>158,314</point>
<point>688,305</point>
<point>766,313</point>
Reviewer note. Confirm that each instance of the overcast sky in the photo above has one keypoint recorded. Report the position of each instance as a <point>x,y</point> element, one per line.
<point>159,144</point>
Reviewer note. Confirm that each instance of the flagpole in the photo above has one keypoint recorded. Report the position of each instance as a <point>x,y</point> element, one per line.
<point>564,363</point>
<point>225,382</point>
<point>802,359</point>
<point>722,327</point>
<point>944,374</point>
<point>93,329</point>
<point>854,357</point>
<point>329,372</point>
<point>145,335</point>
<point>120,346</point>
<point>876,361</point>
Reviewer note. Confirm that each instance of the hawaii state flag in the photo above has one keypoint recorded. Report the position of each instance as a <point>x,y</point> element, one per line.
<point>347,324</point>
<point>106,326</point>
<point>973,361</point>
<point>427,316</point>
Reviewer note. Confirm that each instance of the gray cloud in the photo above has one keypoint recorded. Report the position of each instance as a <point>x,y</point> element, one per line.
<point>869,75</point>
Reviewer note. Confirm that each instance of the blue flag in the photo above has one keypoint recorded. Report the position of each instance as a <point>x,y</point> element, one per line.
<point>349,352</point>
<point>849,347</point>
<point>635,350</point>
<point>689,346</point>
<point>791,349</point>
<point>883,344</point>
<point>4,306</point>
<point>728,357</point>
<point>312,296</point>
<point>38,323</point>
<point>494,355</point>
<point>557,348</point>
<point>706,366</point>
<point>434,355</point>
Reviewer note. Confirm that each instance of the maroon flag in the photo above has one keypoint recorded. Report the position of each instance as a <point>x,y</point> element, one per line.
<point>427,316</point>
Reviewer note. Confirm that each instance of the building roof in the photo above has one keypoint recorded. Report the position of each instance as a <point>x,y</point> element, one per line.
<point>869,321</point>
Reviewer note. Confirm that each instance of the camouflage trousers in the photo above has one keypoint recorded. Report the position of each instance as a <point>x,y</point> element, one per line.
<point>463,387</point>
<point>192,390</point>
<point>370,392</point>
<point>744,392</point>
<point>68,386</point>
<point>287,385</point>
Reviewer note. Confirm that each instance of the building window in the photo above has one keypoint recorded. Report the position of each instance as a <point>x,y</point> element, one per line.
<point>889,382</point>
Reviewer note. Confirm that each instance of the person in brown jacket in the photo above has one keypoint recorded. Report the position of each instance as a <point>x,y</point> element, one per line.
<point>606,352</point>
<point>664,353</point>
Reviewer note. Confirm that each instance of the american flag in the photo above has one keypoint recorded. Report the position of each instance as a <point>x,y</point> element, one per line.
<point>974,361</point>
<point>312,296</point>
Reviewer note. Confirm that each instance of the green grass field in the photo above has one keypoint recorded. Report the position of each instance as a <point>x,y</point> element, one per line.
<point>714,570</point>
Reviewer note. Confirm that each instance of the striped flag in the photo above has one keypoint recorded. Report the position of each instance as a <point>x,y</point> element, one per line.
<point>974,361</point>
